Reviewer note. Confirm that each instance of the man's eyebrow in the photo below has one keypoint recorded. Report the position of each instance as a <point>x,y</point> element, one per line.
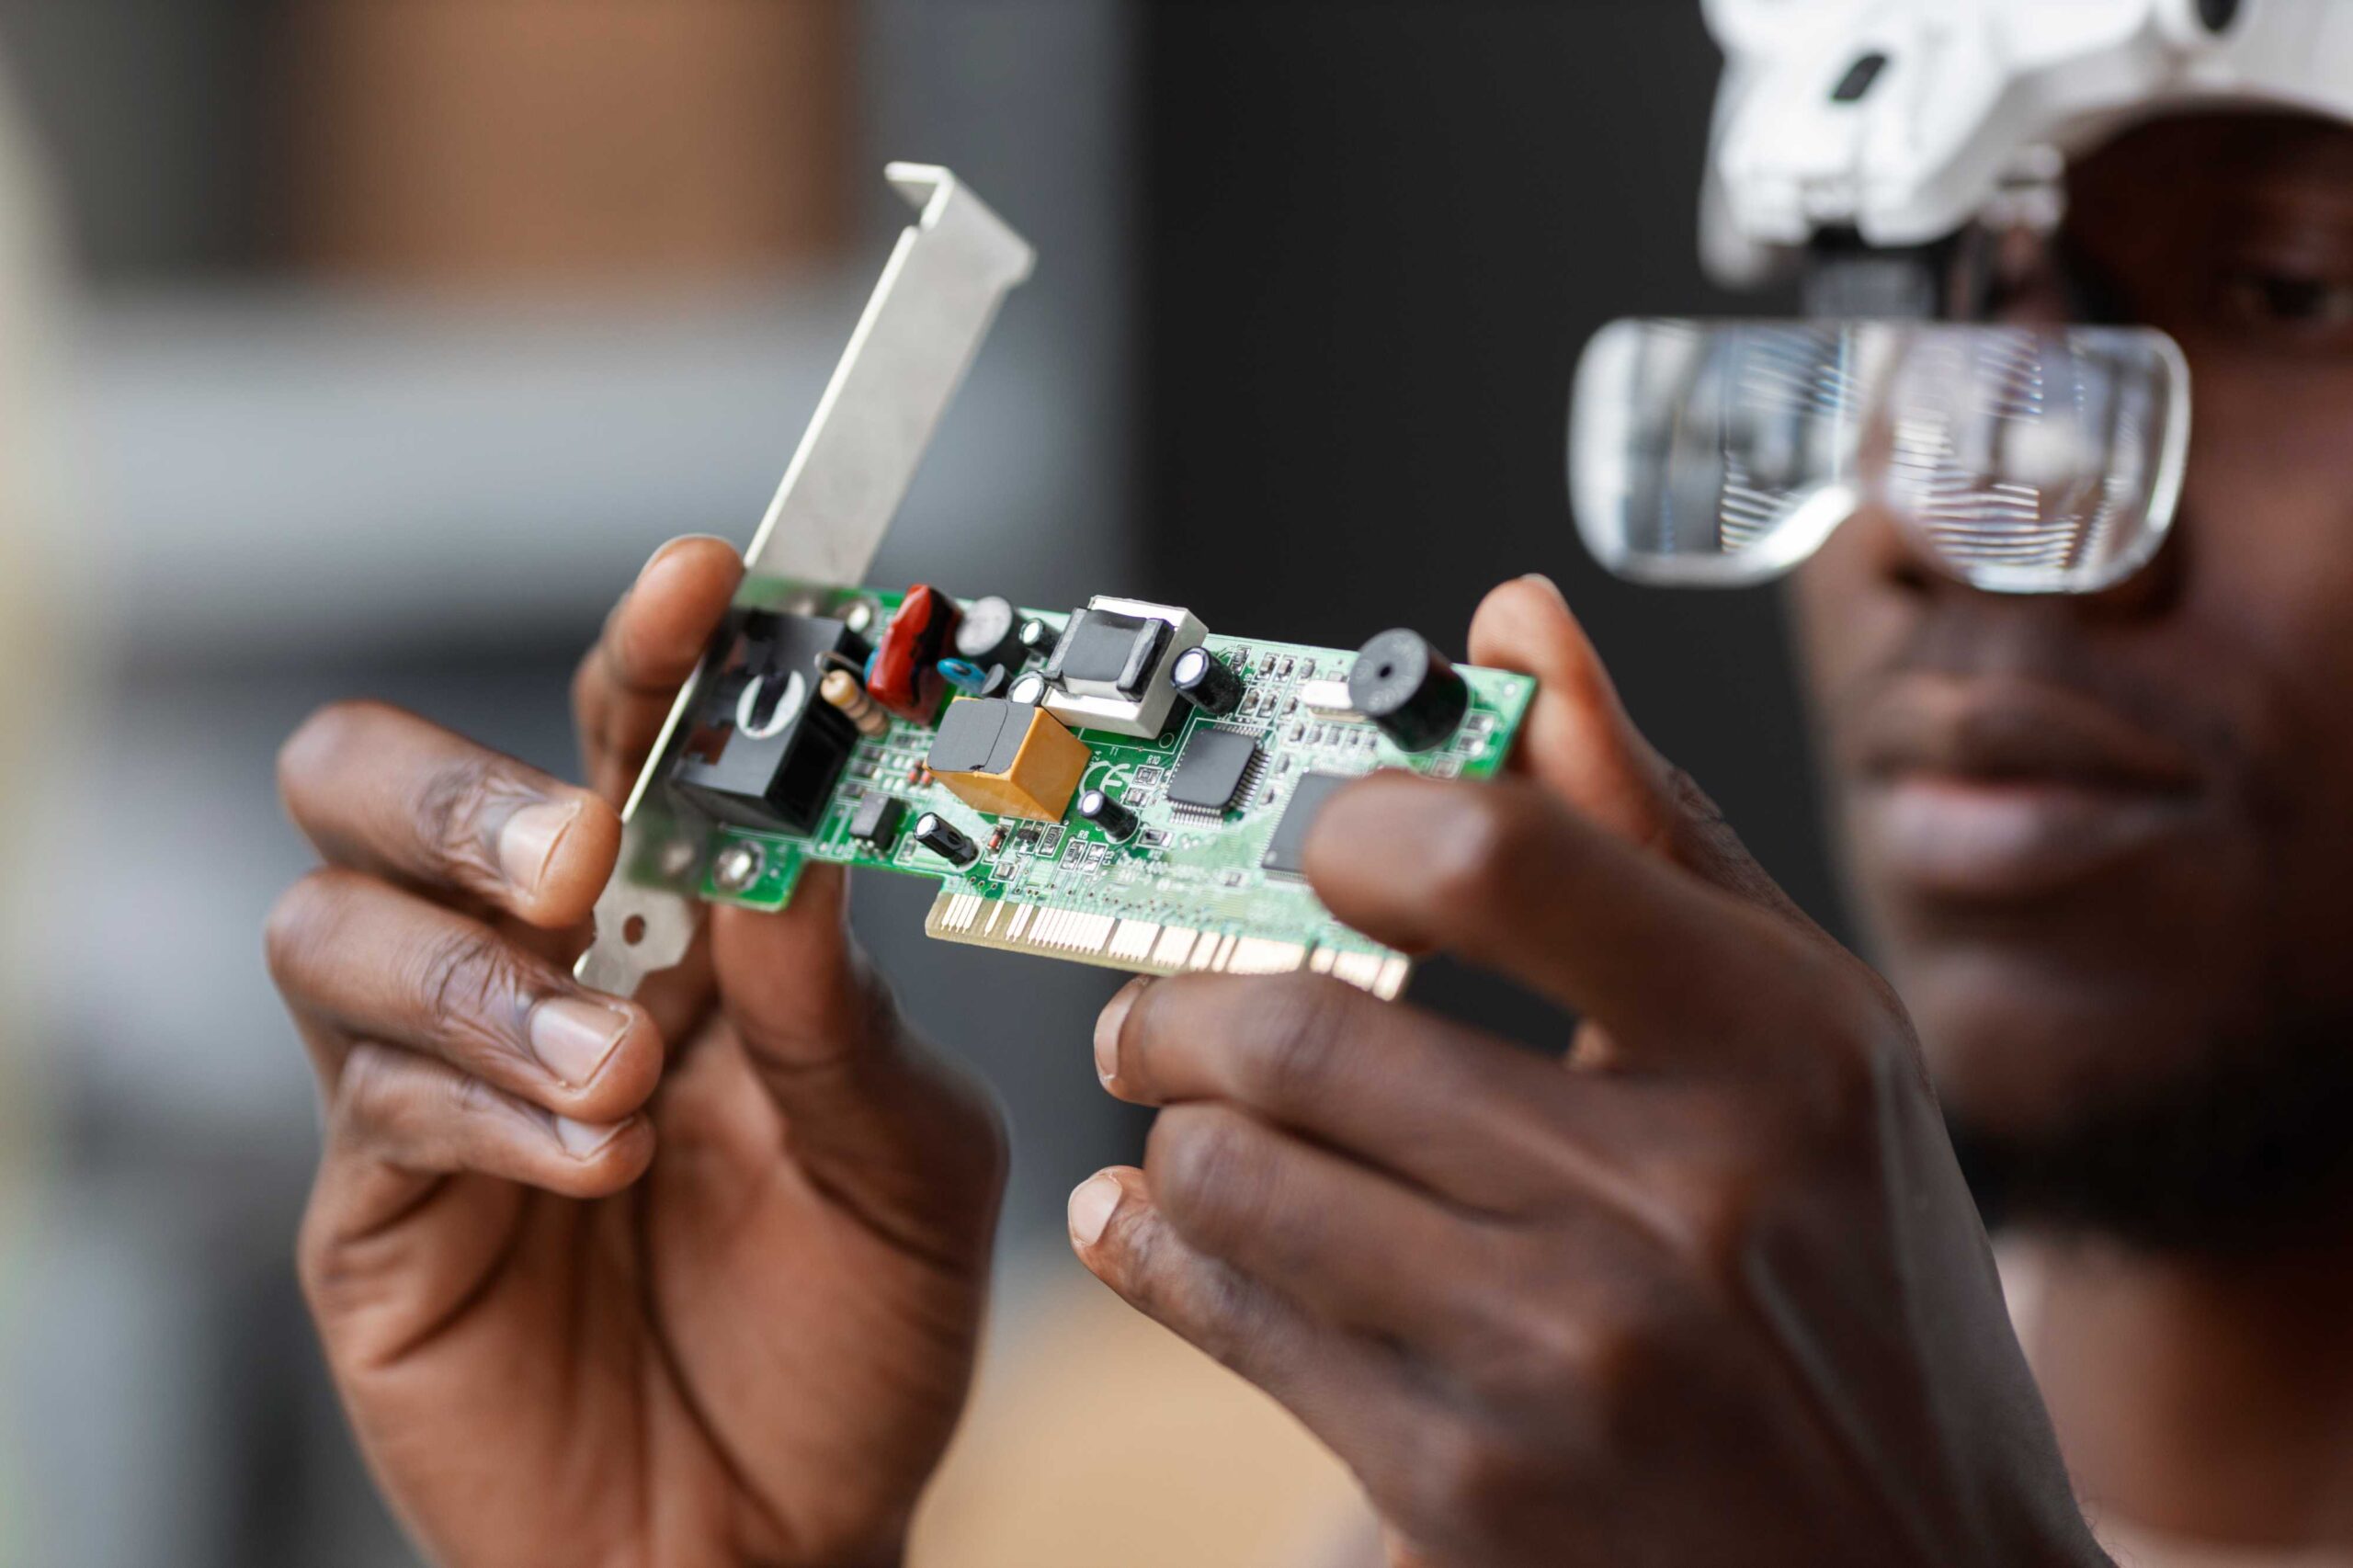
<point>2313,168</point>
<point>2287,207</point>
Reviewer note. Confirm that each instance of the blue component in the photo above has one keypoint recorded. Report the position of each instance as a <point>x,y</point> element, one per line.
<point>963,674</point>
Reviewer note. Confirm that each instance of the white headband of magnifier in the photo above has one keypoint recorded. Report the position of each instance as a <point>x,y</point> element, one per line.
<point>1709,454</point>
<point>1903,121</point>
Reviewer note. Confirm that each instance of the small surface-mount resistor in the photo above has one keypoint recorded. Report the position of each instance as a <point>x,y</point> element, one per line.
<point>841,689</point>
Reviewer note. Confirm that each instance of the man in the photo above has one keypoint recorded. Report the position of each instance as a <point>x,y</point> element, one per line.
<point>1710,1289</point>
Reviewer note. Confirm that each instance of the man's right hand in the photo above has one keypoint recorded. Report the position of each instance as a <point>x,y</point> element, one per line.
<point>584,1304</point>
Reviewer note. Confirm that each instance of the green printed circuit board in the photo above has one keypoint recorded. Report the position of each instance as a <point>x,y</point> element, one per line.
<point>1112,785</point>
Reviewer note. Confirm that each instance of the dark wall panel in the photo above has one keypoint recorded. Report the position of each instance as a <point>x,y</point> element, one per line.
<point>1376,237</point>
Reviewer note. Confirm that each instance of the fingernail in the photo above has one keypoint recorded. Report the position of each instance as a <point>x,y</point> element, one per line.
<point>1547,584</point>
<point>673,547</point>
<point>582,1139</point>
<point>1092,1205</point>
<point>573,1038</point>
<point>528,841</point>
<point>1107,1027</point>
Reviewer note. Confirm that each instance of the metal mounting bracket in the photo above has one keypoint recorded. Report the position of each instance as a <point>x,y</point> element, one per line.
<point>938,294</point>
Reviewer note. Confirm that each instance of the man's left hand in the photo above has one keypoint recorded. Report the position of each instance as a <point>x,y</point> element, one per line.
<point>1706,1287</point>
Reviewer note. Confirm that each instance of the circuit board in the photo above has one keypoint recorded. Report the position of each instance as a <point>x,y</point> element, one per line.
<point>1183,888</point>
<point>1113,784</point>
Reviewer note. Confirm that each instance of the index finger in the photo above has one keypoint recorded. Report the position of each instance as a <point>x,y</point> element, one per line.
<point>1455,1111</point>
<point>1580,741</point>
<point>386,792</point>
<point>651,644</point>
<point>1507,876</point>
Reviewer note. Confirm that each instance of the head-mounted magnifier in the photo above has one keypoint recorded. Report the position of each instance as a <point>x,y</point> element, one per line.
<point>1906,158</point>
<point>2020,459</point>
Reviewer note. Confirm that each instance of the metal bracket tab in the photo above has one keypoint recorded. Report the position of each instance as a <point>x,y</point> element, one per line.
<point>938,294</point>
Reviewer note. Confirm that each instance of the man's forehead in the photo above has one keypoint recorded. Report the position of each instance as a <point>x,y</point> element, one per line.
<point>2268,149</point>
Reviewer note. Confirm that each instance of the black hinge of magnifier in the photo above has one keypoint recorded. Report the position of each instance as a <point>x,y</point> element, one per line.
<point>1848,279</point>
<point>1953,278</point>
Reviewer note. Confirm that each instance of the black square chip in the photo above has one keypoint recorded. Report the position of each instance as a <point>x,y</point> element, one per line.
<point>1287,851</point>
<point>1214,770</point>
<point>875,821</point>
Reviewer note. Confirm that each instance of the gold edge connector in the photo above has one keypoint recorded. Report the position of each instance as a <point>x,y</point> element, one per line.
<point>1146,946</point>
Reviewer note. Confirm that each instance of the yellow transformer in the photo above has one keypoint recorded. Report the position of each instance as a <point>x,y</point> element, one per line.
<point>1008,759</point>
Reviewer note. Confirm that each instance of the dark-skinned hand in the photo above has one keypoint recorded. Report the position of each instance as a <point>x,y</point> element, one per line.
<point>1703,1287</point>
<point>692,1281</point>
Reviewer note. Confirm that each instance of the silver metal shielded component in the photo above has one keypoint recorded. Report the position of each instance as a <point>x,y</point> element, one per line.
<point>1131,693</point>
<point>937,296</point>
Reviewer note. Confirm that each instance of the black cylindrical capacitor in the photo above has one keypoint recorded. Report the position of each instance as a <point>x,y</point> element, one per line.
<point>1202,679</point>
<point>1118,822</point>
<point>944,839</point>
<point>990,632</point>
<point>1406,687</point>
<point>1035,637</point>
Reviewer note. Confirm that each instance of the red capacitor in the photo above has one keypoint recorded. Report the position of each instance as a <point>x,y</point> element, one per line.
<point>906,677</point>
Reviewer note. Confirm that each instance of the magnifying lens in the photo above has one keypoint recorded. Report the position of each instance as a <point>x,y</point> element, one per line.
<point>2022,460</point>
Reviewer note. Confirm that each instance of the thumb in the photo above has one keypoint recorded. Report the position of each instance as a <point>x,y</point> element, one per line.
<point>793,982</point>
<point>1580,743</point>
<point>910,1140</point>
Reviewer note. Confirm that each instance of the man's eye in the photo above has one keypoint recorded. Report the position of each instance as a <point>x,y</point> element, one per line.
<point>2287,300</point>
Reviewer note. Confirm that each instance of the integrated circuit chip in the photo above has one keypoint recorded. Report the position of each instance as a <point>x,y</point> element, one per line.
<point>1286,852</point>
<point>1215,768</point>
<point>877,820</point>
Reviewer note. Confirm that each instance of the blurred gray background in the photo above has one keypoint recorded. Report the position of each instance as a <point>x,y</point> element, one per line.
<point>1314,276</point>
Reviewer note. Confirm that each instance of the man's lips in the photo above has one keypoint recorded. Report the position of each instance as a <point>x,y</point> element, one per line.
<point>1994,731</point>
<point>2006,790</point>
